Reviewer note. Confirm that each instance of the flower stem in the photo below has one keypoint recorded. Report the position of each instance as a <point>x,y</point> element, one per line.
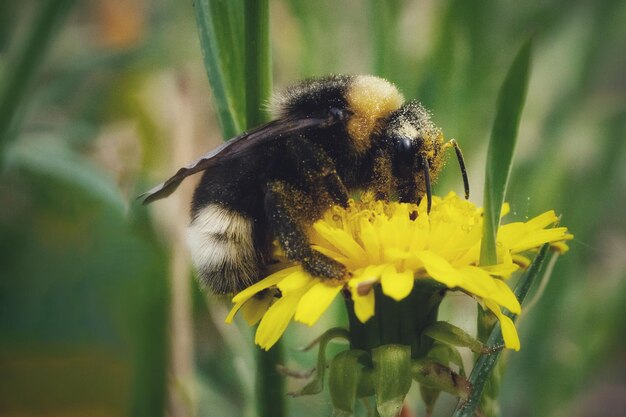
<point>270,393</point>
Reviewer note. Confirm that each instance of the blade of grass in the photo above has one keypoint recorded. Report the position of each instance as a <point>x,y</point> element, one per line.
<point>270,385</point>
<point>258,78</point>
<point>21,69</point>
<point>235,42</point>
<point>234,36</point>
<point>485,365</point>
<point>509,107</point>
<point>222,41</point>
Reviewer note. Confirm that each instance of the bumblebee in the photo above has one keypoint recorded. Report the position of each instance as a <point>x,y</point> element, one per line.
<point>330,137</point>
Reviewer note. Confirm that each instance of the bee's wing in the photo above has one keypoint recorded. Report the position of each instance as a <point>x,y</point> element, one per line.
<point>271,131</point>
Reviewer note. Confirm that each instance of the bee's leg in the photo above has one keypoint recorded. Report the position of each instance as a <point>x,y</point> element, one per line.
<point>336,188</point>
<point>286,207</point>
<point>318,169</point>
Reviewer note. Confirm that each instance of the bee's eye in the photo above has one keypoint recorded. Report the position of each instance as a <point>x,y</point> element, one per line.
<point>404,159</point>
<point>404,146</point>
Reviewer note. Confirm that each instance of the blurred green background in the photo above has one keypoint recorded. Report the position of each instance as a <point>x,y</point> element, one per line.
<point>99,312</point>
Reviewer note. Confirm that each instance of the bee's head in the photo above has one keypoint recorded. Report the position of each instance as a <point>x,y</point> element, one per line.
<point>414,144</point>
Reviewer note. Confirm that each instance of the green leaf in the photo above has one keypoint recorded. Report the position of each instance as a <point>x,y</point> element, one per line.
<point>509,107</point>
<point>83,327</point>
<point>221,31</point>
<point>51,159</point>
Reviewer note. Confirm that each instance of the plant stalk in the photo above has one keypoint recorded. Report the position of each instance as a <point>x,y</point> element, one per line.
<point>22,68</point>
<point>270,385</point>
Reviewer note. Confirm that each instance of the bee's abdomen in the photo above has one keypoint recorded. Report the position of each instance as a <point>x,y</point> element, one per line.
<point>222,249</point>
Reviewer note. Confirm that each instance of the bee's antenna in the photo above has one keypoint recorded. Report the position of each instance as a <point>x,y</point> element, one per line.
<point>429,195</point>
<point>459,156</point>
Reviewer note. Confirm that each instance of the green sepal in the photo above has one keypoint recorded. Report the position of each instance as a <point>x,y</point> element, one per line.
<point>316,385</point>
<point>446,354</point>
<point>392,378</point>
<point>366,386</point>
<point>344,379</point>
<point>439,353</point>
<point>432,374</point>
<point>450,334</point>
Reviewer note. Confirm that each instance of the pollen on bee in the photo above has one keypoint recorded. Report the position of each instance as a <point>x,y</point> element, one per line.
<point>371,99</point>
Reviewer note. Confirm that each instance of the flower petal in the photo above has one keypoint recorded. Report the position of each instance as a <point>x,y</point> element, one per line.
<point>231,315</point>
<point>506,298</point>
<point>539,237</point>
<point>298,279</point>
<point>277,317</point>
<point>506,209</point>
<point>369,273</point>
<point>509,332</point>
<point>364,305</point>
<point>503,270</point>
<point>440,269</point>
<point>510,233</point>
<point>561,246</point>
<point>541,221</point>
<point>397,285</point>
<point>254,309</point>
<point>342,241</point>
<point>522,261</point>
<point>315,302</point>
<point>333,254</point>
<point>371,243</point>
<point>478,282</point>
<point>271,280</point>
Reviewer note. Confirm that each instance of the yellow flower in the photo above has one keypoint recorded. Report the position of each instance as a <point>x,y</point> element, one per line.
<point>393,244</point>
